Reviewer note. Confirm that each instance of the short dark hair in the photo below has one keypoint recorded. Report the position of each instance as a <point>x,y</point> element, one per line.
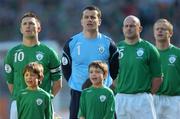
<point>30,14</point>
<point>93,7</point>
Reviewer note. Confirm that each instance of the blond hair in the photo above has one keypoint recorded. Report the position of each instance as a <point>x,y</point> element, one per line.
<point>169,25</point>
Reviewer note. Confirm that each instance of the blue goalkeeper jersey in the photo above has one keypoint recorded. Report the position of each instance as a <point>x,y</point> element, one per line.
<point>79,52</point>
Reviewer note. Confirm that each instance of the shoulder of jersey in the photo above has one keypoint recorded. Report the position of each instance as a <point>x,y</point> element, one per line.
<point>46,47</point>
<point>44,92</point>
<point>106,37</point>
<point>108,89</point>
<point>15,47</point>
<point>73,38</point>
<point>147,42</point>
<point>120,42</point>
<point>177,49</point>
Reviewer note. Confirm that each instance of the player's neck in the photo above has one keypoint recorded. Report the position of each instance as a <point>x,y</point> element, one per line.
<point>90,34</point>
<point>162,45</point>
<point>98,85</point>
<point>132,41</point>
<point>32,88</point>
<point>30,42</point>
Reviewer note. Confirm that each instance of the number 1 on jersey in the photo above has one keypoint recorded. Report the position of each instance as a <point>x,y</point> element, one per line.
<point>78,49</point>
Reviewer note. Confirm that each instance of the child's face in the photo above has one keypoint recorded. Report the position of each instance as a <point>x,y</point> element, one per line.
<point>31,79</point>
<point>96,76</point>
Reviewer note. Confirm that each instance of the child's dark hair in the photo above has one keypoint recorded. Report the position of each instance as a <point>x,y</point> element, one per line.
<point>35,68</point>
<point>101,65</point>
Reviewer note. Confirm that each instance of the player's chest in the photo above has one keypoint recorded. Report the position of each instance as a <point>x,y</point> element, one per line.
<point>22,57</point>
<point>84,51</point>
<point>96,98</point>
<point>170,59</point>
<point>33,101</point>
<point>133,55</point>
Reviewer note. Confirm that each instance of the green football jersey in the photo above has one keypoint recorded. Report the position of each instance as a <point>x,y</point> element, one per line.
<point>138,63</point>
<point>18,57</point>
<point>97,103</point>
<point>34,104</point>
<point>170,63</point>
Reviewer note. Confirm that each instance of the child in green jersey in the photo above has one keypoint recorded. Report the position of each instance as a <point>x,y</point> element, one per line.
<point>97,102</point>
<point>33,102</point>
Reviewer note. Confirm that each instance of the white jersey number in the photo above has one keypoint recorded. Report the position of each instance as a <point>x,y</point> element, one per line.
<point>19,56</point>
<point>78,49</point>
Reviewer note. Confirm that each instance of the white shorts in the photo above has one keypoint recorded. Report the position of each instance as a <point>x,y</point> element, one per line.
<point>167,107</point>
<point>134,106</point>
<point>13,110</point>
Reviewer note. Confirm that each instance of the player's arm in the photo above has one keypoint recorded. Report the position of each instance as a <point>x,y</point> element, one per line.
<point>9,73</point>
<point>66,61</point>
<point>57,82</point>
<point>155,68</point>
<point>113,86</point>
<point>156,82</point>
<point>86,84</point>
<point>113,60</point>
<point>57,85</point>
<point>10,87</point>
<point>56,73</point>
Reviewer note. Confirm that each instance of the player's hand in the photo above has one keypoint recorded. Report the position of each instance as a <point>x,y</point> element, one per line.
<point>86,84</point>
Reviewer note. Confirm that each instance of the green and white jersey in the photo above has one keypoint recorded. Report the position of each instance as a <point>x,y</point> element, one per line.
<point>170,63</point>
<point>138,65</point>
<point>97,103</point>
<point>34,104</point>
<point>18,57</point>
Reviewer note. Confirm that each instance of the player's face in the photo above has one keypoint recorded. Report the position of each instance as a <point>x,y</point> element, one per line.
<point>96,76</point>
<point>90,20</point>
<point>161,32</point>
<point>30,27</point>
<point>131,28</point>
<point>31,79</point>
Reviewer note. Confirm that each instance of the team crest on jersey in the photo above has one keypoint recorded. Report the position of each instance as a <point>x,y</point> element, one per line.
<point>172,59</point>
<point>102,98</point>
<point>64,61</point>
<point>101,49</point>
<point>140,52</point>
<point>39,56</point>
<point>39,101</point>
<point>7,68</point>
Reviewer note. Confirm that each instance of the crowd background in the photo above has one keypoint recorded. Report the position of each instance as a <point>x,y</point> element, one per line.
<point>61,19</point>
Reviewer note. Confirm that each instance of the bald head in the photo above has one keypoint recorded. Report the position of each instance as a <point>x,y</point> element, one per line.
<point>132,18</point>
<point>131,29</point>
